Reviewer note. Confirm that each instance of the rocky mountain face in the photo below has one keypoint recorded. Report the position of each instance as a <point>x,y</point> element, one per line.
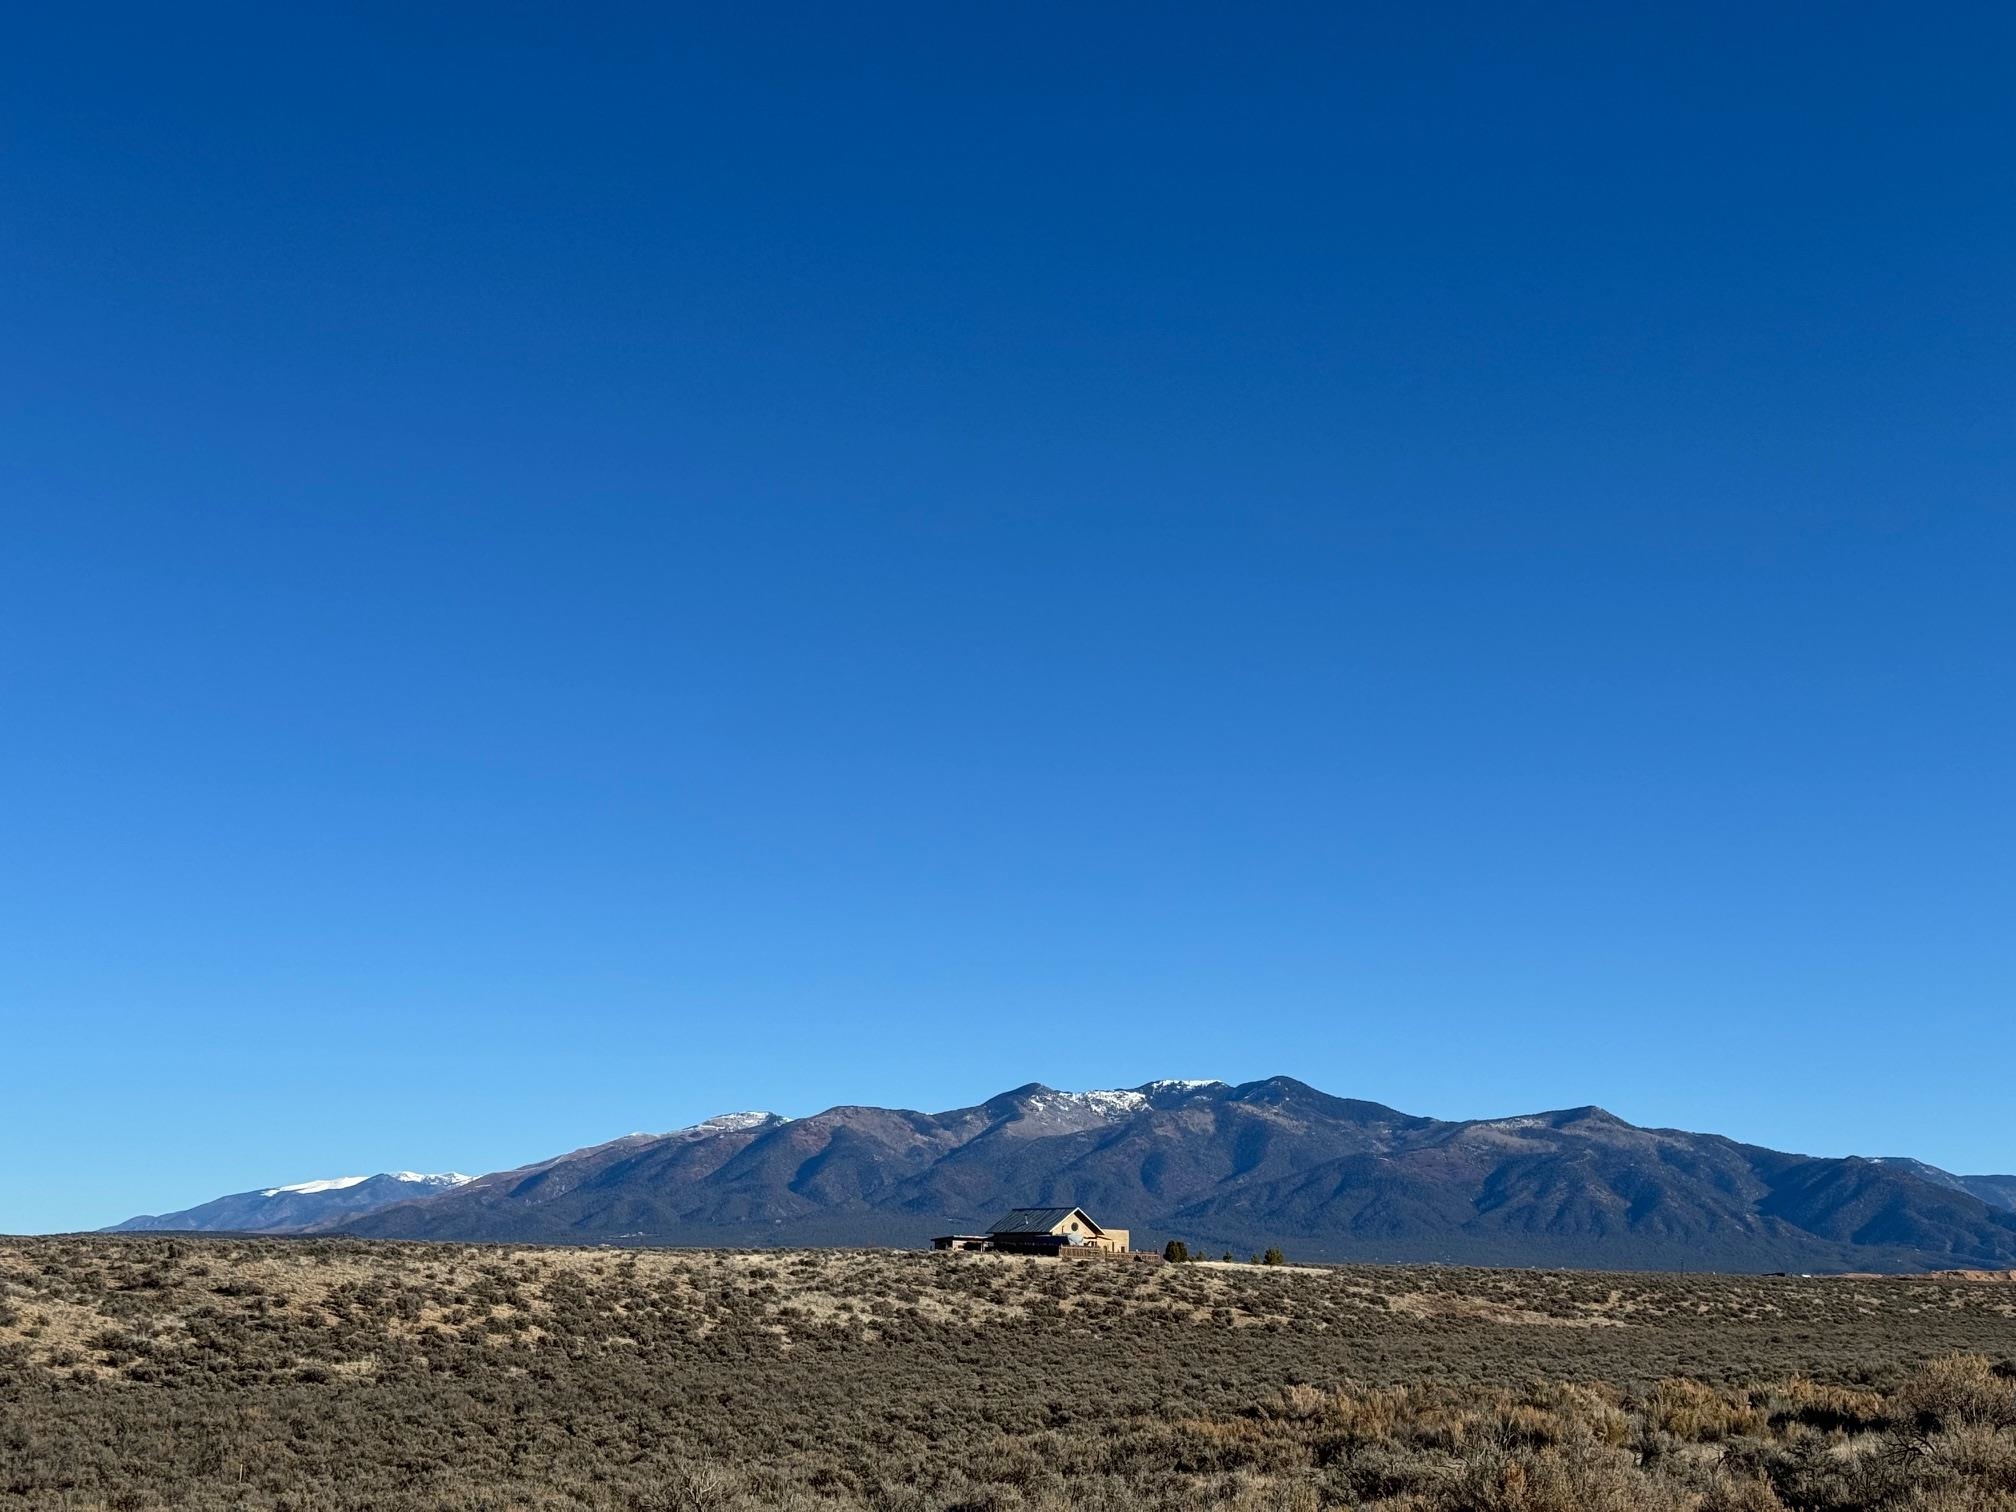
<point>1240,1168</point>
<point>291,1209</point>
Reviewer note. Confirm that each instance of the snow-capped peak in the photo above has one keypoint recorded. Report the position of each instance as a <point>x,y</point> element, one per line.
<point>339,1183</point>
<point>729,1123</point>
<point>1105,1102</point>
<point>1180,1084</point>
<point>327,1184</point>
<point>1111,1103</point>
<point>1114,1102</point>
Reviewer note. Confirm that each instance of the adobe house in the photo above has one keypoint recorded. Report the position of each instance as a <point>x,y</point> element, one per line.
<point>1062,1232</point>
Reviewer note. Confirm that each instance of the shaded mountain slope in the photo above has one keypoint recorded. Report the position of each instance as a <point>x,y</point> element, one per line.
<point>1996,1191</point>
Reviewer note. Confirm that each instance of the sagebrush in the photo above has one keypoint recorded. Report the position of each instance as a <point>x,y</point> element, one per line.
<point>142,1373</point>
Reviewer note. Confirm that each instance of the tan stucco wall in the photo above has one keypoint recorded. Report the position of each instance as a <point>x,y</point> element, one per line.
<point>1091,1233</point>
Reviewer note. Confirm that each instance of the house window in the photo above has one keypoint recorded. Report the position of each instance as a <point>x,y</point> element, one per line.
<point>1074,1228</point>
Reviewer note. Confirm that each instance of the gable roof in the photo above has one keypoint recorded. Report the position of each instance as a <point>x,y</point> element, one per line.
<point>1040,1220</point>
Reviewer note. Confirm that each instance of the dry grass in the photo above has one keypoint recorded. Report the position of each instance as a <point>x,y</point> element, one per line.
<point>143,1372</point>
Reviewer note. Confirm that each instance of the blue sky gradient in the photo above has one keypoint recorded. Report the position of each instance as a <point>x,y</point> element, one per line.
<point>565,574</point>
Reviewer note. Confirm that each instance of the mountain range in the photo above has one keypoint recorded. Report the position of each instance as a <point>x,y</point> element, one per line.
<point>292,1209</point>
<point>1273,1162</point>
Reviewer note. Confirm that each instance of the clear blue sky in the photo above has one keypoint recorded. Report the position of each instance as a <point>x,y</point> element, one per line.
<point>566,572</point>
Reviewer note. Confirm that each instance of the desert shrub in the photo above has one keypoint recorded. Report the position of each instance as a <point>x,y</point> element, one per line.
<point>1695,1413</point>
<point>1295,1403</point>
<point>1956,1390</point>
<point>330,1375</point>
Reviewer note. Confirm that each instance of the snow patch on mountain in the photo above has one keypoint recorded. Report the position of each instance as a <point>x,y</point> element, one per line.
<point>340,1183</point>
<point>728,1123</point>
<point>328,1184</point>
<point>1109,1103</point>
<point>1112,1102</point>
<point>1104,1102</point>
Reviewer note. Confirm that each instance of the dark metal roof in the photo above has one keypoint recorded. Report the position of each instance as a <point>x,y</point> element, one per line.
<point>1039,1220</point>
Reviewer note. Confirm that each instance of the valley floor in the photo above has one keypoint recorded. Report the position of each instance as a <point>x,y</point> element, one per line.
<point>142,1372</point>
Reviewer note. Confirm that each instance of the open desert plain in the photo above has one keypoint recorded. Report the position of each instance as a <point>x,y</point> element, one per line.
<point>182,1372</point>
